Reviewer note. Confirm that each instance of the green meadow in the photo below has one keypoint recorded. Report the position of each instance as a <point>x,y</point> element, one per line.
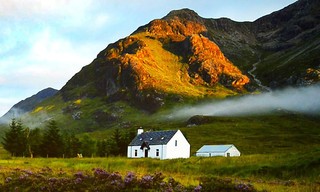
<point>279,152</point>
<point>272,172</point>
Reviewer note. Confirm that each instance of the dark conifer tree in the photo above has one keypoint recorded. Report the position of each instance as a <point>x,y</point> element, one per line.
<point>72,145</point>
<point>88,146</point>
<point>14,140</point>
<point>102,148</point>
<point>52,144</point>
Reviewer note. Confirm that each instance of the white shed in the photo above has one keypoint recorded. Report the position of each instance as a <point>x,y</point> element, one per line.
<point>159,144</point>
<point>218,150</point>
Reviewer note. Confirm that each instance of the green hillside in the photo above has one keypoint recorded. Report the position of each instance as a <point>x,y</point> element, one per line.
<point>277,132</point>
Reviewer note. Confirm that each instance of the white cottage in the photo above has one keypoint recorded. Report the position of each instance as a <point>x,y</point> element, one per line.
<point>218,150</point>
<point>159,144</point>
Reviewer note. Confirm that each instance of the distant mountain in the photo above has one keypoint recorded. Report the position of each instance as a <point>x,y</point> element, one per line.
<point>289,42</point>
<point>28,104</point>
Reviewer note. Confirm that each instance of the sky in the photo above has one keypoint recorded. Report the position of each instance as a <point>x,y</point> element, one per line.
<point>44,43</point>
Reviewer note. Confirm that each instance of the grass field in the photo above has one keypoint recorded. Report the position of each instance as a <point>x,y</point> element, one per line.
<point>272,172</point>
<point>280,151</point>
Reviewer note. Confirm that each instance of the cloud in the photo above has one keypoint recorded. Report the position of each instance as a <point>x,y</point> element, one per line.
<point>31,8</point>
<point>302,100</point>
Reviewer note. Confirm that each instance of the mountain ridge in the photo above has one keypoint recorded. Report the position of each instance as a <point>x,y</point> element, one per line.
<point>184,57</point>
<point>168,55</point>
<point>27,105</point>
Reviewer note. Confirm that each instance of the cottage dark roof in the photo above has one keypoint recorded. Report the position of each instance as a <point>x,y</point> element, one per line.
<point>153,138</point>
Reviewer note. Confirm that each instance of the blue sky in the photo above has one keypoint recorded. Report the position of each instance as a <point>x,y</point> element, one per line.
<point>44,43</point>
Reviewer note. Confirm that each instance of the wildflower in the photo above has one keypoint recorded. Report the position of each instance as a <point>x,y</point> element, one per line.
<point>53,180</point>
<point>130,178</point>
<point>78,180</point>
<point>115,176</point>
<point>28,172</point>
<point>146,181</point>
<point>8,179</point>
<point>23,176</point>
<point>244,187</point>
<point>198,188</point>
<point>100,172</point>
<point>79,175</point>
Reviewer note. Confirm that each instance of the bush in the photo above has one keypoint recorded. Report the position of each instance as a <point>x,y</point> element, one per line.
<point>213,184</point>
<point>99,180</point>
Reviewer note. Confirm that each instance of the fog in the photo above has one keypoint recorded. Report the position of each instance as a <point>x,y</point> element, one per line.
<point>304,100</point>
<point>12,113</point>
<point>25,117</point>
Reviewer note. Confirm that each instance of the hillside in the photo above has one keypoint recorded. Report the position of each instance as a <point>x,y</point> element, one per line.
<point>289,42</point>
<point>183,59</point>
<point>185,54</point>
<point>167,56</point>
<point>27,105</point>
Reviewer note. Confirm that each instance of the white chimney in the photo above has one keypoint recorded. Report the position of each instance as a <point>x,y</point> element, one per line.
<point>140,131</point>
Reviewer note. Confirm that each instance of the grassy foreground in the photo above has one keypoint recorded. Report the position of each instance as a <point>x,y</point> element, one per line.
<point>270,172</point>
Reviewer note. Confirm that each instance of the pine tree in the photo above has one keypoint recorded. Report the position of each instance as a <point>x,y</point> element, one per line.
<point>88,146</point>
<point>14,140</point>
<point>116,142</point>
<point>52,144</point>
<point>102,148</point>
<point>72,145</point>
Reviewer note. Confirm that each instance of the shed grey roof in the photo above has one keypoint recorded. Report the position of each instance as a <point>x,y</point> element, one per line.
<point>214,148</point>
<point>153,138</point>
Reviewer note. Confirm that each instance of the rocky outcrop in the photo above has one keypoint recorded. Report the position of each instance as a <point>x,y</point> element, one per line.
<point>208,62</point>
<point>157,58</point>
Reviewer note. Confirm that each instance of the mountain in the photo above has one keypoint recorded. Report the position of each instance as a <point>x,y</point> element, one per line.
<point>280,49</point>
<point>183,58</point>
<point>289,41</point>
<point>27,105</point>
<point>166,56</point>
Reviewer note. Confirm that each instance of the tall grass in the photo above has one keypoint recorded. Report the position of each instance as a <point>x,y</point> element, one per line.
<point>292,171</point>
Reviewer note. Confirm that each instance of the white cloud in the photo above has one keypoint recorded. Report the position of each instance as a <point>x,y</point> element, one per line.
<point>31,8</point>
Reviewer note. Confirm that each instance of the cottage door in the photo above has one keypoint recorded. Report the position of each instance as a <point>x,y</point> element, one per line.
<point>146,153</point>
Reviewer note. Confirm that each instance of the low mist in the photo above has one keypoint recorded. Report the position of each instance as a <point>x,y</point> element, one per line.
<point>12,113</point>
<point>304,100</point>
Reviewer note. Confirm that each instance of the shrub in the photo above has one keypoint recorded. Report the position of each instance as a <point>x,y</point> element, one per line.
<point>101,180</point>
<point>214,184</point>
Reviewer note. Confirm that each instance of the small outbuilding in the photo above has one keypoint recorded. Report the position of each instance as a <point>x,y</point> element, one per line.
<point>159,144</point>
<point>218,150</point>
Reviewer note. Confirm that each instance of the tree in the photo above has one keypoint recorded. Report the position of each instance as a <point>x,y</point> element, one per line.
<point>52,144</point>
<point>14,140</point>
<point>88,146</point>
<point>72,145</point>
<point>102,148</point>
<point>34,139</point>
<point>115,142</point>
<point>119,141</point>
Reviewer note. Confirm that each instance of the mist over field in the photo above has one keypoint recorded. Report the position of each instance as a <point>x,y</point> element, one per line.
<point>304,100</point>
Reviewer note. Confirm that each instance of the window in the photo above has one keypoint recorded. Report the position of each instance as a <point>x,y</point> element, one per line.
<point>176,143</point>
<point>157,152</point>
<point>135,153</point>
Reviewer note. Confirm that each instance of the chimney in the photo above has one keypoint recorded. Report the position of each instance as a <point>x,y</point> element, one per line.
<point>140,131</point>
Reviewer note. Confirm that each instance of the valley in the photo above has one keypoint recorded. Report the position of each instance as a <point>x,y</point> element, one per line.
<point>251,84</point>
